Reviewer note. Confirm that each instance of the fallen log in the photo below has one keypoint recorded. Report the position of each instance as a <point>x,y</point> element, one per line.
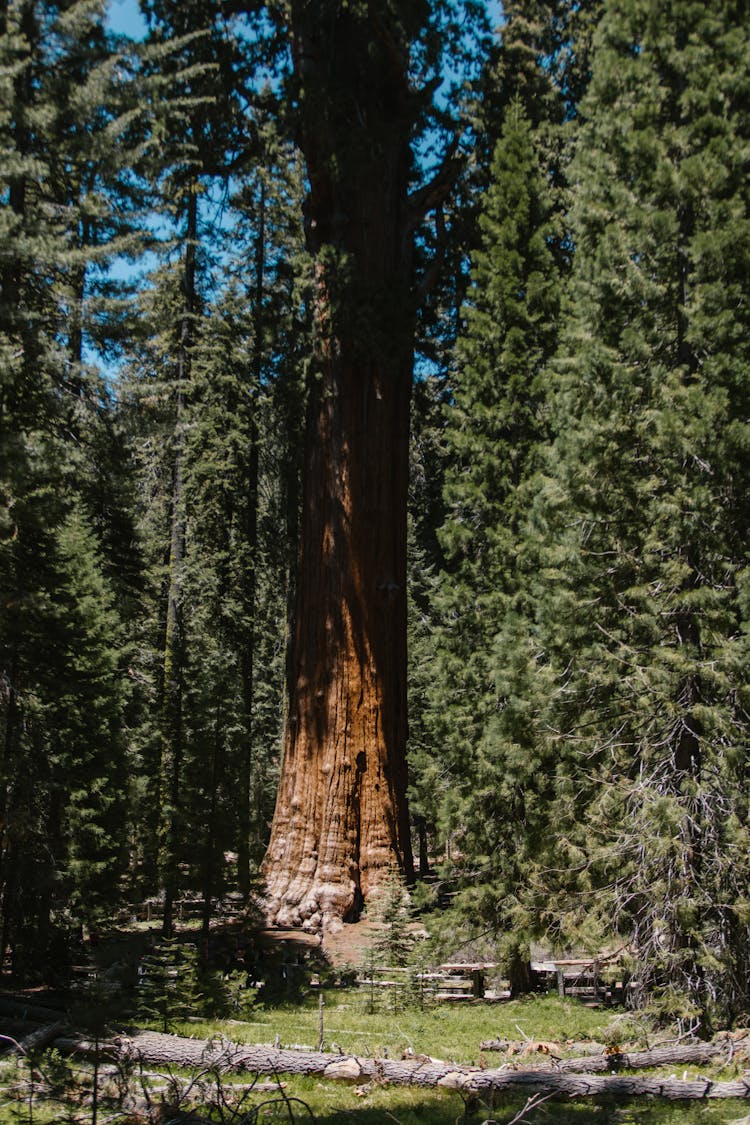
<point>17,1029</point>
<point>40,1037</point>
<point>680,1054</point>
<point>156,1048</point>
<point>615,1059</point>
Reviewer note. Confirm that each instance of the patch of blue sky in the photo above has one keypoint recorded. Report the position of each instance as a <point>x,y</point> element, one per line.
<point>124,17</point>
<point>461,65</point>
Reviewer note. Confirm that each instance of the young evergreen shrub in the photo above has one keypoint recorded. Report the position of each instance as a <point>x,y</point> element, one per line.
<point>169,985</point>
<point>392,947</point>
<point>372,961</point>
<point>394,940</point>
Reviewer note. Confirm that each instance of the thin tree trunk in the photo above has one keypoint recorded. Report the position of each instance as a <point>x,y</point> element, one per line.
<point>9,904</point>
<point>247,666</point>
<point>172,730</point>
<point>11,733</point>
<point>37,1038</point>
<point>420,824</point>
<point>11,324</point>
<point>75,339</point>
<point>209,846</point>
<point>677,1054</point>
<point>174,655</point>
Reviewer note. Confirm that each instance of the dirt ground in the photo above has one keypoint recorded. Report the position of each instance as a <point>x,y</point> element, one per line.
<point>346,946</point>
<point>349,945</point>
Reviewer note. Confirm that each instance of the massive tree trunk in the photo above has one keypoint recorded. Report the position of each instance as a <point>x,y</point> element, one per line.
<point>341,817</point>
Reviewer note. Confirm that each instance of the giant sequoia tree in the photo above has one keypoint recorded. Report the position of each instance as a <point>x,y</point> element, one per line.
<point>341,817</point>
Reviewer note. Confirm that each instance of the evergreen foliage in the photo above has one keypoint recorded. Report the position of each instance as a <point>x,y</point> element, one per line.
<point>495,423</point>
<point>638,597</point>
<point>393,941</point>
<point>591,626</point>
<point>580,481</point>
<point>62,700</point>
<point>214,400</point>
<point>88,753</point>
<point>169,984</point>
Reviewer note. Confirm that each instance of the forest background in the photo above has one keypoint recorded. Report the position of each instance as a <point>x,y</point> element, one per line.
<point>578,526</point>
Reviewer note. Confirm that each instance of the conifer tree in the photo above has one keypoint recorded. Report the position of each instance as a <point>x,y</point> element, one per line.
<point>641,619</point>
<point>238,557</point>
<point>341,819</point>
<point>169,984</point>
<point>495,424</point>
<point>536,76</point>
<point>51,621</point>
<point>199,130</point>
<point>427,464</point>
<point>203,399</point>
<point>250,363</point>
<point>542,59</point>
<point>88,751</point>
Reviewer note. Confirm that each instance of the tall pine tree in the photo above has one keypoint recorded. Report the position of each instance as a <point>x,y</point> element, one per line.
<point>496,421</point>
<point>60,715</point>
<point>641,620</point>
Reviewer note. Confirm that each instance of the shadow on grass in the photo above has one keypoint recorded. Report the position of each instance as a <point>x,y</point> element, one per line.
<point>451,1111</point>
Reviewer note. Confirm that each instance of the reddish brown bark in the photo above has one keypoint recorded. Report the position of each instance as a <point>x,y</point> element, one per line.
<point>341,817</point>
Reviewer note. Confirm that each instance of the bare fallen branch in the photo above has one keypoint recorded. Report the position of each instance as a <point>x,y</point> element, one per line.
<point>531,1103</point>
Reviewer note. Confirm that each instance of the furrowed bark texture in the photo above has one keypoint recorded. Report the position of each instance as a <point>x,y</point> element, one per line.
<point>341,819</point>
<point>156,1049</point>
<point>616,1060</point>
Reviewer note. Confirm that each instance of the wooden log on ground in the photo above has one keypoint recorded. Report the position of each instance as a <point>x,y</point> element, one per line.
<point>156,1048</point>
<point>467,966</point>
<point>17,1029</point>
<point>39,1037</point>
<point>678,1054</point>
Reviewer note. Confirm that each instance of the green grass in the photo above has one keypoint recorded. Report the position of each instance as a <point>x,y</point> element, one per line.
<point>448,1032</point>
<point>452,1033</point>
<point>410,1108</point>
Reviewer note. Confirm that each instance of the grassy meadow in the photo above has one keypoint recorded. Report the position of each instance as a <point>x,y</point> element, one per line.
<point>448,1032</point>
